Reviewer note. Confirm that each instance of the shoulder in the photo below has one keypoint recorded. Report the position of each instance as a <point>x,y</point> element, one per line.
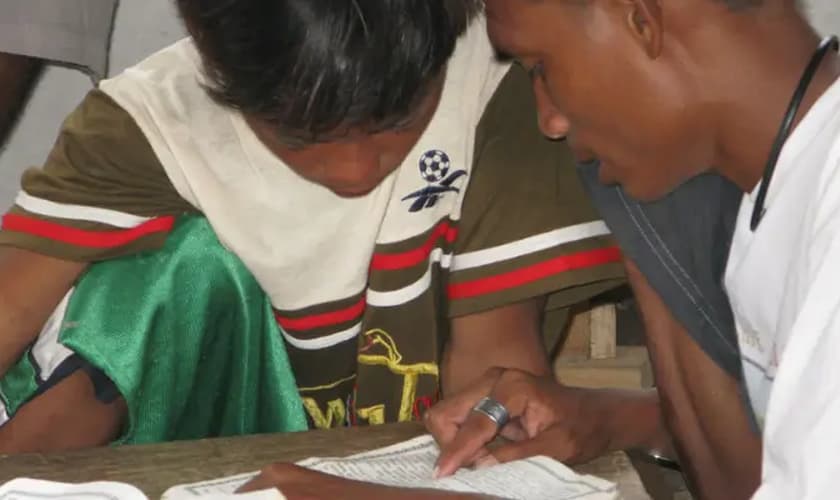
<point>170,81</point>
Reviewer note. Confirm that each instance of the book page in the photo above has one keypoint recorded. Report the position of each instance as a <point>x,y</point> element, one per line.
<point>410,464</point>
<point>222,486</point>
<point>220,489</point>
<point>36,489</point>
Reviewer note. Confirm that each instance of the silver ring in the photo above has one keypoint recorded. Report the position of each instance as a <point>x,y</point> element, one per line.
<point>493,410</point>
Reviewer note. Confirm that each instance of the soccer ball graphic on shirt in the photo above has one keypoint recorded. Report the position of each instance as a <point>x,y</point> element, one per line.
<point>434,165</point>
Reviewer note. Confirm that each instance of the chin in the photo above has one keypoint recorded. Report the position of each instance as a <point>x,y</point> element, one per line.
<point>638,188</point>
<point>643,193</point>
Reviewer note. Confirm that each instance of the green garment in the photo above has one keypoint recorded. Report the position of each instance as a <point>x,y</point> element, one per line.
<point>187,336</point>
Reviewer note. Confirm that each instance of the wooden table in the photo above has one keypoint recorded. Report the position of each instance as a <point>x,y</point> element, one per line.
<point>154,468</point>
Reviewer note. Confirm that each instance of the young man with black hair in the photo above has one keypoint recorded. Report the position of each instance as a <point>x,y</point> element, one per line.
<point>306,214</point>
<point>662,94</point>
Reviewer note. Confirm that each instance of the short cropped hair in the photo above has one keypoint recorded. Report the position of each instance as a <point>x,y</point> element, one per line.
<point>313,68</point>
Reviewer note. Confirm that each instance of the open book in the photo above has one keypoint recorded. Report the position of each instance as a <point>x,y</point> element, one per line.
<point>408,464</point>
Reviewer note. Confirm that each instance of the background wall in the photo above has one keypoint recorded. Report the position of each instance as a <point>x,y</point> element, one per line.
<point>824,15</point>
<point>141,27</point>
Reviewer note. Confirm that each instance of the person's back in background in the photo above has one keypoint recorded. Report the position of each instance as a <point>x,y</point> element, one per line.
<point>52,51</point>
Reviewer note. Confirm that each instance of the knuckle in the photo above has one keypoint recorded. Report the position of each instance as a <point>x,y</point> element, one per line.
<point>510,376</point>
<point>433,416</point>
<point>494,373</point>
<point>437,428</point>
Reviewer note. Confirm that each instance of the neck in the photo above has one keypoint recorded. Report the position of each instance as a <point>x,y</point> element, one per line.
<point>753,108</point>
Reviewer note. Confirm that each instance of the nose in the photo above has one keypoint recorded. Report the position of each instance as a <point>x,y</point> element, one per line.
<point>553,124</point>
<point>356,173</point>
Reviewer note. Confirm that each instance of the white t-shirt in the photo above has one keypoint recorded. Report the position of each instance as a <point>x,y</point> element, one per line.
<point>784,284</point>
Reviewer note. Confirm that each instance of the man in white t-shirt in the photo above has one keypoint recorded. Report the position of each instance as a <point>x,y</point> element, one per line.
<point>695,96</point>
<point>703,84</point>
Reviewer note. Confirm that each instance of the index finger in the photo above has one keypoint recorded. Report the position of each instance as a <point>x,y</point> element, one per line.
<point>258,483</point>
<point>513,390</point>
<point>476,431</point>
<point>445,418</point>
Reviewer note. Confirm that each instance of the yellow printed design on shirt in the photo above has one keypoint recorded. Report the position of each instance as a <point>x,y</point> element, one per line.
<point>379,349</point>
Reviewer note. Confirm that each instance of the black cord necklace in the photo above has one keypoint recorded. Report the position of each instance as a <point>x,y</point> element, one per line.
<point>827,44</point>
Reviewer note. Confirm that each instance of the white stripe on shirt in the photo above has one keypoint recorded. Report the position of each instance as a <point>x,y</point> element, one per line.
<point>408,293</point>
<point>529,245</point>
<point>323,342</point>
<point>47,352</point>
<point>49,208</point>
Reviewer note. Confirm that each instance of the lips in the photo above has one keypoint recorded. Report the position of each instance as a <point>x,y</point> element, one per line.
<point>606,174</point>
<point>590,163</point>
<point>586,158</point>
<point>583,156</point>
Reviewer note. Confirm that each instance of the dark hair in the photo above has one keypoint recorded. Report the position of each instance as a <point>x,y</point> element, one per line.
<point>313,68</point>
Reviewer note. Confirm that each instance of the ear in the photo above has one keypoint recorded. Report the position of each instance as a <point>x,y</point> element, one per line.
<point>644,19</point>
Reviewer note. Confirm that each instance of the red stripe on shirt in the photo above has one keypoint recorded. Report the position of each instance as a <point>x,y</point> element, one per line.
<point>83,238</point>
<point>580,260</point>
<point>321,320</point>
<point>390,262</point>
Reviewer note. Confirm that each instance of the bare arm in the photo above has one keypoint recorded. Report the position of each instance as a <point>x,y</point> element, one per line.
<point>697,407</point>
<point>31,286</point>
<point>68,415</point>
<point>700,404</point>
<point>17,77</point>
<point>506,337</point>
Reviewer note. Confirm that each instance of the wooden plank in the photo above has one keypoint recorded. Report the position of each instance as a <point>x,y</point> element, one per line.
<point>155,468</point>
<point>629,369</point>
<point>576,344</point>
<point>602,331</point>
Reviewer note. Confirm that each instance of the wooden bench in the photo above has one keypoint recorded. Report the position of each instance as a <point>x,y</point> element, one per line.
<point>590,357</point>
